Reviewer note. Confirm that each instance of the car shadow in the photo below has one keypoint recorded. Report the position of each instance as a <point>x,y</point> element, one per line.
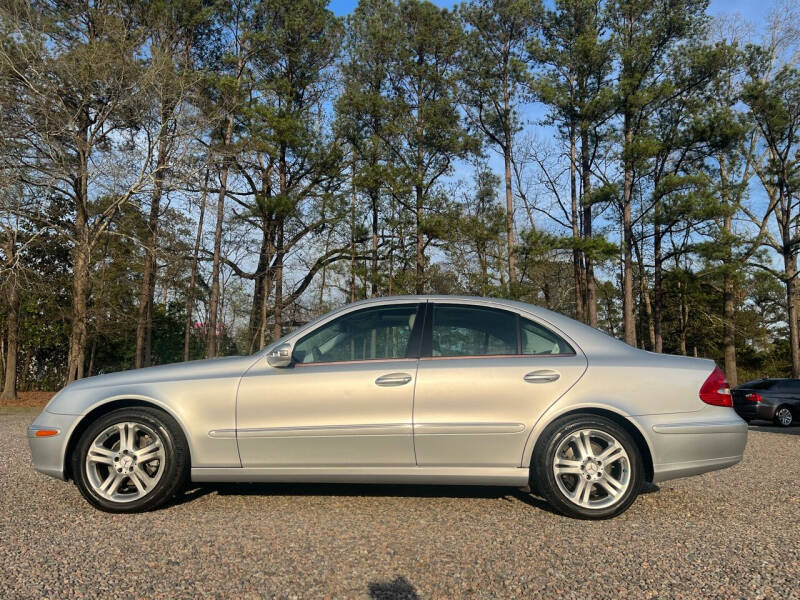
<point>353,489</point>
<point>770,428</point>
<point>508,494</point>
<point>397,589</point>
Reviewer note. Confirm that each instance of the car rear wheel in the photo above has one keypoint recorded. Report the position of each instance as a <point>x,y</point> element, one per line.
<point>783,416</point>
<point>131,460</point>
<point>587,467</point>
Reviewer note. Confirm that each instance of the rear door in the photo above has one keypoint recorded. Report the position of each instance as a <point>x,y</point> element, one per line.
<point>484,378</point>
<point>786,391</point>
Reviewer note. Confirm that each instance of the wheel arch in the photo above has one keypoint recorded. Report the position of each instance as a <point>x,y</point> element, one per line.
<point>107,406</point>
<point>623,421</point>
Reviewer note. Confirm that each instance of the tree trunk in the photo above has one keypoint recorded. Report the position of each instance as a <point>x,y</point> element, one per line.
<point>512,259</point>
<point>81,257</point>
<point>92,354</point>
<point>729,328</point>
<point>353,237</point>
<point>684,317</point>
<point>80,293</point>
<point>728,285</point>
<point>277,330</point>
<point>187,334</point>
<point>658,296</point>
<point>390,283</point>
<point>790,268</point>
<point>645,296</point>
<point>628,318</point>
<point>9,393</point>
<point>591,284</point>
<point>648,310</point>
<point>144,321</point>
<point>577,267</point>
<point>262,334</point>
<point>419,286</point>
<point>483,259</point>
<point>213,301</point>
<point>609,315</point>
<point>259,290</point>
<point>374,276</point>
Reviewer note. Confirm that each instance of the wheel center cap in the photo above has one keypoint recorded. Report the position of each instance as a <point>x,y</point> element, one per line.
<point>126,462</point>
<point>591,467</point>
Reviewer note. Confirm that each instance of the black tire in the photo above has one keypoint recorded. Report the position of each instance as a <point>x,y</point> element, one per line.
<point>175,468</point>
<point>779,412</point>
<point>544,479</point>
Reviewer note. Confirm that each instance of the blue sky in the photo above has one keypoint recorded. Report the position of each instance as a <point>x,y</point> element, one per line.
<point>751,10</point>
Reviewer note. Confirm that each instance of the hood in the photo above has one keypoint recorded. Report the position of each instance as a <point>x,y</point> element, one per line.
<point>229,366</point>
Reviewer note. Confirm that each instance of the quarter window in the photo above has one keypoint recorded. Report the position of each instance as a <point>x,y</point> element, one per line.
<point>472,331</point>
<point>374,333</point>
<point>535,339</point>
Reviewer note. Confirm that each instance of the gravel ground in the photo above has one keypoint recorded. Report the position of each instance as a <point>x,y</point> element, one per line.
<point>730,534</point>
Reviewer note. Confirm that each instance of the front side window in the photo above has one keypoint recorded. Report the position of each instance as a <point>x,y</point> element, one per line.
<point>472,331</point>
<point>373,333</point>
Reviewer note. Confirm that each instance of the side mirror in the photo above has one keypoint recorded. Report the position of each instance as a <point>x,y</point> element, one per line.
<point>281,356</point>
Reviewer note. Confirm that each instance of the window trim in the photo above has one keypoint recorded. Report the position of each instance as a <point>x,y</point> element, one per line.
<point>414,338</point>
<point>426,350</point>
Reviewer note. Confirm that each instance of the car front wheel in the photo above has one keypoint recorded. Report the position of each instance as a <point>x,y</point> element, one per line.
<point>587,467</point>
<point>131,460</point>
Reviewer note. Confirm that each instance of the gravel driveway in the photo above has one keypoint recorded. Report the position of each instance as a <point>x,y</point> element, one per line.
<point>734,533</point>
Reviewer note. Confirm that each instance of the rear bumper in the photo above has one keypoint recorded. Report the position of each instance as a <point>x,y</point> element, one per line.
<point>714,439</point>
<point>47,453</point>
<point>755,410</point>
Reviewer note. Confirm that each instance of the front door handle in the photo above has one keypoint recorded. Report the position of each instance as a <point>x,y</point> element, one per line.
<point>543,376</point>
<point>393,379</point>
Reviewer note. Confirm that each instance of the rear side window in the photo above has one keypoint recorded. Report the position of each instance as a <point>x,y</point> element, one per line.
<point>472,331</point>
<point>535,339</point>
<point>761,384</point>
<point>787,385</point>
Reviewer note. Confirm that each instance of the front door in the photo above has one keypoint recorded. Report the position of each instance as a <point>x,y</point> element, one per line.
<point>483,381</point>
<point>345,401</point>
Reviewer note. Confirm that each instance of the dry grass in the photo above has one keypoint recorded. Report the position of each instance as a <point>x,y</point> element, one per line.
<point>31,399</point>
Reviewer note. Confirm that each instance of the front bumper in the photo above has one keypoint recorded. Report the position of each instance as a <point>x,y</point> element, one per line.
<point>47,453</point>
<point>711,439</point>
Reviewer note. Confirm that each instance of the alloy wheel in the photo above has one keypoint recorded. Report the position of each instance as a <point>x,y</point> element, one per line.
<point>592,469</point>
<point>784,416</point>
<point>125,462</point>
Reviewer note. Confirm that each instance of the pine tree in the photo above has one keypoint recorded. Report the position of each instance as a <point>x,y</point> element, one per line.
<point>494,73</point>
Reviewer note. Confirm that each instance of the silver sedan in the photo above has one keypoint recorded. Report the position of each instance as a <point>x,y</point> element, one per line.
<point>413,389</point>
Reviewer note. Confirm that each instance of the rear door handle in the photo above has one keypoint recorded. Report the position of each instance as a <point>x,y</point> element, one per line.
<point>393,379</point>
<point>543,376</point>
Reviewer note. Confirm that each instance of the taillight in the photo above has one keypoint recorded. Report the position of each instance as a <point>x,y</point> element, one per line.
<point>716,390</point>
<point>754,397</point>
